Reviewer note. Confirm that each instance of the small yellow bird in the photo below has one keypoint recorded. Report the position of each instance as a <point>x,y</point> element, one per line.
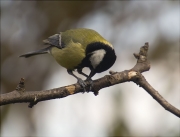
<point>79,48</point>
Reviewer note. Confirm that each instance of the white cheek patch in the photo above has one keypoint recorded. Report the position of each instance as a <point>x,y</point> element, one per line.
<point>96,57</point>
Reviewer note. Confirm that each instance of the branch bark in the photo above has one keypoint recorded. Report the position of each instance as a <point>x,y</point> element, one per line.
<point>19,95</point>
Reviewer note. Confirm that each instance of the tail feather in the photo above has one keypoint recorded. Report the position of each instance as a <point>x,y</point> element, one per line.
<point>42,51</point>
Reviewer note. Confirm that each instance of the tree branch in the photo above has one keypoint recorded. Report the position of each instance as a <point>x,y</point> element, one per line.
<point>19,95</point>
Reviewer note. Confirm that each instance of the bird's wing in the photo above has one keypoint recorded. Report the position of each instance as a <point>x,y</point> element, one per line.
<point>60,40</point>
<point>54,40</point>
<point>77,36</point>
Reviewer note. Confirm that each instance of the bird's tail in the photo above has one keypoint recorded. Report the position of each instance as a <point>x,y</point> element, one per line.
<point>41,51</point>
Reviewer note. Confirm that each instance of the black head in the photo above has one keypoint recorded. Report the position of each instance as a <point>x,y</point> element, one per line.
<point>108,58</point>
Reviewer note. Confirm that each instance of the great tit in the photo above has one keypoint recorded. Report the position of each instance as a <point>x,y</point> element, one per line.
<point>78,48</point>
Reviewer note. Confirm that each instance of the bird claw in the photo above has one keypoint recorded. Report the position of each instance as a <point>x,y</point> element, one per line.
<point>90,84</point>
<point>82,84</point>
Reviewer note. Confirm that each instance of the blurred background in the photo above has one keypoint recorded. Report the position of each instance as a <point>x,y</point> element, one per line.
<point>121,110</point>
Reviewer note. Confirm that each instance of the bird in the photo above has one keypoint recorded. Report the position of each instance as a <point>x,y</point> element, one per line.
<point>78,48</point>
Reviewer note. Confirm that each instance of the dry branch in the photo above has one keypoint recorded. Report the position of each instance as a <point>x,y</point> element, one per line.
<point>33,97</point>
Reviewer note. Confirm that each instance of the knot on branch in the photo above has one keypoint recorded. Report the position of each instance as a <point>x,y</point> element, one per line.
<point>34,102</point>
<point>112,72</point>
<point>144,49</point>
<point>142,62</point>
<point>21,86</point>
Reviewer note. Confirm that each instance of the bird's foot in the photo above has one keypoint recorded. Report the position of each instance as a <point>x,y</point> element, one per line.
<point>82,84</point>
<point>90,84</point>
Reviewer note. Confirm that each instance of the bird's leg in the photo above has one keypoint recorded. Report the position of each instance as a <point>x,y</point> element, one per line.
<point>90,81</point>
<point>79,80</point>
<point>82,73</point>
